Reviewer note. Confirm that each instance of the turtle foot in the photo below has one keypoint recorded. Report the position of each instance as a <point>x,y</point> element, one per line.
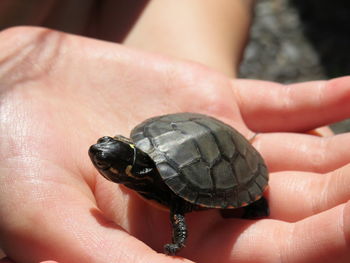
<point>171,249</point>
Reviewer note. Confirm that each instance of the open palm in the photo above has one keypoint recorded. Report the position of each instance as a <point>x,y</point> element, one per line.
<point>59,93</point>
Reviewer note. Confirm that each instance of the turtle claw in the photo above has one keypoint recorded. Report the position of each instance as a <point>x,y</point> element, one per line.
<point>171,249</point>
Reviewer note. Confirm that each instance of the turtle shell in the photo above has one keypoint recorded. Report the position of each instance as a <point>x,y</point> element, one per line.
<point>203,160</point>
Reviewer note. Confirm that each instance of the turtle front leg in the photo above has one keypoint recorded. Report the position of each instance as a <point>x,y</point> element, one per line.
<point>179,237</point>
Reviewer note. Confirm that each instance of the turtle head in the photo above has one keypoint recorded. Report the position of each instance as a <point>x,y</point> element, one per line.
<point>113,157</point>
<point>118,160</point>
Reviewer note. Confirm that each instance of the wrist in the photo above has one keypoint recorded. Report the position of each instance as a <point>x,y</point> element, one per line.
<point>213,33</point>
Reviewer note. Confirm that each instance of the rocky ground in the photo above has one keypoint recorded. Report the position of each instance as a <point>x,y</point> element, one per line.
<point>297,40</point>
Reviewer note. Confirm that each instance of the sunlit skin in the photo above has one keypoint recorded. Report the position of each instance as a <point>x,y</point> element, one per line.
<point>60,92</point>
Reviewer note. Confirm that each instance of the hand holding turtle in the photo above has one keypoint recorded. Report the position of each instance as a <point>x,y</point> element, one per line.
<point>60,93</point>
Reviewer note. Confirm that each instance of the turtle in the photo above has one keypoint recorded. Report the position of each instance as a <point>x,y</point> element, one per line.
<point>186,162</point>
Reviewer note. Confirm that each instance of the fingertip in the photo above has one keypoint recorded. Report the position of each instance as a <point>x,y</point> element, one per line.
<point>336,93</point>
<point>340,82</point>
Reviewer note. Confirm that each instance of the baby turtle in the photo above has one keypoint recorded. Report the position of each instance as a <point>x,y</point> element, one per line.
<point>186,162</point>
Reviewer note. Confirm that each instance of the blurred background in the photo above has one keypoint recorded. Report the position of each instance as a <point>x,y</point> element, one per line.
<point>298,40</point>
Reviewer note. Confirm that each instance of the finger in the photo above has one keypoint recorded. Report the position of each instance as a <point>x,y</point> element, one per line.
<point>268,106</point>
<point>301,152</point>
<point>320,238</point>
<point>297,195</point>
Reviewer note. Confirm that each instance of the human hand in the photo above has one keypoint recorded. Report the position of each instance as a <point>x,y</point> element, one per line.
<point>59,93</point>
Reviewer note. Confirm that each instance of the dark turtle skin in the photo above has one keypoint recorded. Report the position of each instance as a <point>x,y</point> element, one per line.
<point>186,162</point>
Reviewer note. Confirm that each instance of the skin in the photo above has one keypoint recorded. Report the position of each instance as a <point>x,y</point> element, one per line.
<point>211,32</point>
<point>60,92</point>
